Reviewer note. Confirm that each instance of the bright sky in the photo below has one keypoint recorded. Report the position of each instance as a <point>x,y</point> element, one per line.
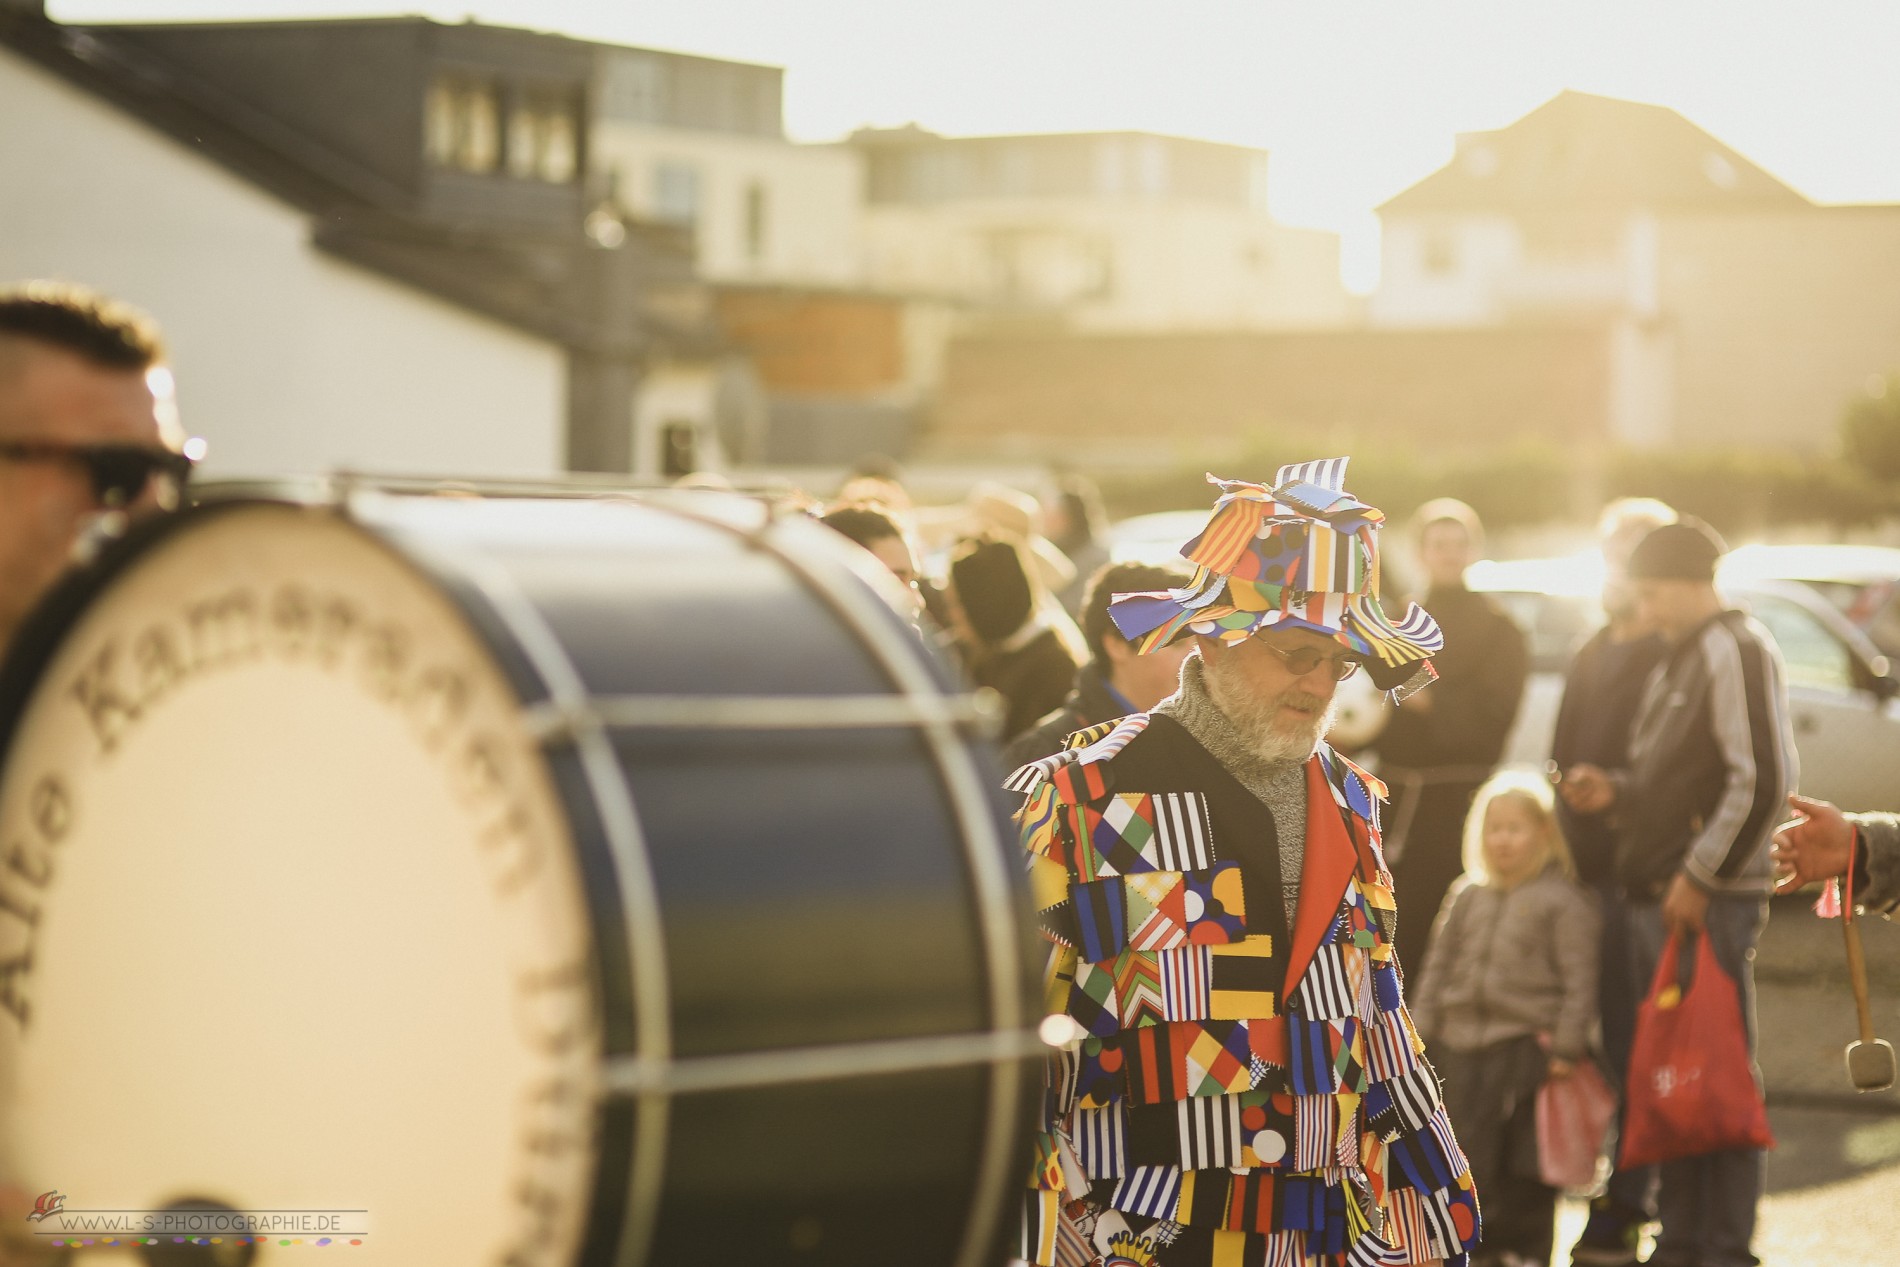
<point>1356,99</point>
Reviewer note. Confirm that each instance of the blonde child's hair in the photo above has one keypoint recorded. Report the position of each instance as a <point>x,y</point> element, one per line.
<point>1518,785</point>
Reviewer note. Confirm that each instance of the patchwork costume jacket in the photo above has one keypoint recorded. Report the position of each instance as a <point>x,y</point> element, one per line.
<point>1246,1094</point>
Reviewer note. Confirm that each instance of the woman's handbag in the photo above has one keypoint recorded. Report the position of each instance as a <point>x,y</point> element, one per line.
<point>1691,1089</point>
<point>1573,1115</point>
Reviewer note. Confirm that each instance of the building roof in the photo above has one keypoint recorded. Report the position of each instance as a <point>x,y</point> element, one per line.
<point>1578,151</point>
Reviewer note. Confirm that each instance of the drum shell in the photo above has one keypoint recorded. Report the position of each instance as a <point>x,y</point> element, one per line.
<point>818,887</point>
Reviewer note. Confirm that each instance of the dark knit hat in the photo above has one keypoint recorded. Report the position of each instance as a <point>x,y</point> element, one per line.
<point>992,583</point>
<point>1684,551</point>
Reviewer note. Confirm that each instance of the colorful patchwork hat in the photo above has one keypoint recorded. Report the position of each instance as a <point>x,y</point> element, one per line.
<point>1300,554</point>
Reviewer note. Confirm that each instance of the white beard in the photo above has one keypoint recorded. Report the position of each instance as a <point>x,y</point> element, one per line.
<point>1268,732</point>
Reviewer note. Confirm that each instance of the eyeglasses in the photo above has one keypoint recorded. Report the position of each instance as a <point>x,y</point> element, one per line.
<point>120,473</point>
<point>1304,660</point>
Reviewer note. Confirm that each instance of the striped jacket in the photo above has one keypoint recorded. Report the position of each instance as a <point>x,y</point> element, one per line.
<point>1242,1093</point>
<point>1711,762</point>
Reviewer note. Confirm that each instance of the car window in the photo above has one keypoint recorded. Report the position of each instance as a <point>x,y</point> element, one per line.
<point>1814,656</point>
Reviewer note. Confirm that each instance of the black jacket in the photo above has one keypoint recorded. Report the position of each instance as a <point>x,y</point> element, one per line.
<point>1089,704</point>
<point>1481,675</point>
<point>1601,692</point>
<point>1033,679</point>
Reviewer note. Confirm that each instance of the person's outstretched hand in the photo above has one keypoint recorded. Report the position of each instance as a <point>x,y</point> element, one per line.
<point>1817,845</point>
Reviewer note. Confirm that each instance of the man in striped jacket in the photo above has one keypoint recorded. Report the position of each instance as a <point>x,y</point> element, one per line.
<point>1711,759</point>
<point>1241,1085</point>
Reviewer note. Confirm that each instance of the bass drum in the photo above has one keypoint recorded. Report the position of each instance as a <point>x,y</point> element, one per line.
<point>504,880</point>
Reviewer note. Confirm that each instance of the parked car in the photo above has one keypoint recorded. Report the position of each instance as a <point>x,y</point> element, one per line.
<point>1862,582</point>
<point>1840,693</point>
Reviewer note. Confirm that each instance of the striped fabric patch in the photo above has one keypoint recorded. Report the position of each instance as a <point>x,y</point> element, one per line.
<point>1244,979</point>
<point>1210,1131</point>
<point>1042,1211</point>
<point>1186,975</point>
<point>1153,1191</point>
<point>1182,839</point>
<point>1316,1122</point>
<point>1325,992</point>
<point>1138,988</point>
<point>1327,473</point>
<point>1389,1047</point>
<point>1101,1140</point>
<point>1405,1103</point>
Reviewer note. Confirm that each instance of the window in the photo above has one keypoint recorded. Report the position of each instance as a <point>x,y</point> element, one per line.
<point>1813,655</point>
<point>543,139</point>
<point>676,193</point>
<point>462,123</point>
<point>755,213</point>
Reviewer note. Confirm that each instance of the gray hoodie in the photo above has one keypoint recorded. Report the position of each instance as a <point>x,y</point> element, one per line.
<point>1509,963</point>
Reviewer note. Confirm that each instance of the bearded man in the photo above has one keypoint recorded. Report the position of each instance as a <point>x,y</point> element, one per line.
<point>1240,1083</point>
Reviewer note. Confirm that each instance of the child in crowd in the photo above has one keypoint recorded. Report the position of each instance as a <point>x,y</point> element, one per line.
<point>1507,999</point>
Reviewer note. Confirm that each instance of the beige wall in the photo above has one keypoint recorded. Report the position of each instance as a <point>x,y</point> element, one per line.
<point>813,199</point>
<point>1777,319</point>
<point>1140,399</point>
<point>287,360</point>
<point>1113,267</point>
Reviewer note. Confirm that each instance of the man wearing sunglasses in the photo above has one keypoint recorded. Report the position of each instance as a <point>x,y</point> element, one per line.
<point>1235,1078</point>
<point>88,429</point>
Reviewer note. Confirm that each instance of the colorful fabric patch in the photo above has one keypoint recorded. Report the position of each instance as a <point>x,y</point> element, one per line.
<point>1157,910</point>
<point>1037,819</point>
<point>1203,1197</point>
<point>1100,1137</point>
<point>1182,839</point>
<point>1093,1001</point>
<point>1405,1103</point>
<point>1244,979</point>
<point>1310,1067</point>
<point>1101,918</point>
<point>1121,832</point>
<point>1188,1058</point>
<point>1048,882</point>
<point>1138,989</point>
<point>1347,1039</point>
<point>1389,1046</point>
<point>1386,994</point>
<point>1186,977</point>
<point>1326,990</point>
<point>1215,905</point>
<point>1101,1075</point>
<point>1153,1191</point>
<point>1268,1130</point>
<point>1209,1129</point>
<point>1250,1203</point>
<point>1316,1126</point>
<point>1042,1211</point>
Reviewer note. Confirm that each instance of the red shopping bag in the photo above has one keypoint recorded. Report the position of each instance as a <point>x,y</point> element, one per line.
<point>1690,1088</point>
<point>1573,1116</point>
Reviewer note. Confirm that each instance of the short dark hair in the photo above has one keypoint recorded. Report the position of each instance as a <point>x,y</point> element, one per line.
<point>104,331</point>
<point>993,583</point>
<point>1120,578</point>
<point>863,523</point>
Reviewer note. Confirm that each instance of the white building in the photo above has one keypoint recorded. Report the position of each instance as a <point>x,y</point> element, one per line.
<point>700,143</point>
<point>386,273</point>
<point>1117,231</point>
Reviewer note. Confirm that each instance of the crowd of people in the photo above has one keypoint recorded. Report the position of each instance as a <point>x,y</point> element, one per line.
<point>1243,1079</point>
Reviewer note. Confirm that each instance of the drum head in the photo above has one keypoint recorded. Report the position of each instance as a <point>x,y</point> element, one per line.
<point>222,980</point>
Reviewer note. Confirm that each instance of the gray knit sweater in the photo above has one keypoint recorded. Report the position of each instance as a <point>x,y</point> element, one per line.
<point>1280,785</point>
<point>1881,834</point>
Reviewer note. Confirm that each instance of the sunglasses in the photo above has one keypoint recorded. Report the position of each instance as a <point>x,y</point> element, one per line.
<point>120,473</point>
<point>1304,660</point>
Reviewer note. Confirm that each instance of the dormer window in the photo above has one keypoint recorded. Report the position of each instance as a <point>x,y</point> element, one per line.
<point>543,137</point>
<point>462,123</point>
